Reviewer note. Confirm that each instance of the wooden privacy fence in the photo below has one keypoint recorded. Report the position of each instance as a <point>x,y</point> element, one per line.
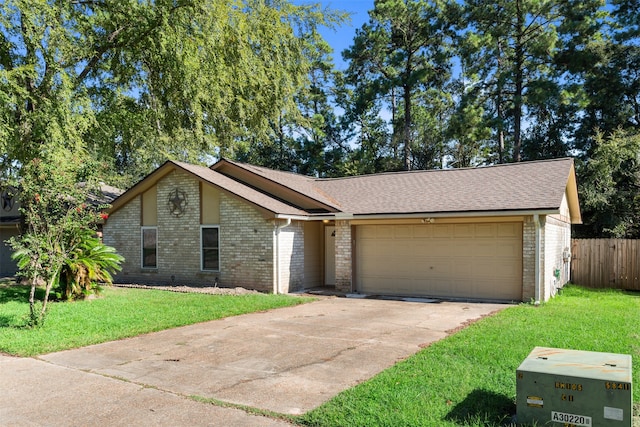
<point>606,263</point>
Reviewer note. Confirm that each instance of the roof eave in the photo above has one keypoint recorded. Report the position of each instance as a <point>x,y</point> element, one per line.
<point>422,215</point>
<point>572,197</point>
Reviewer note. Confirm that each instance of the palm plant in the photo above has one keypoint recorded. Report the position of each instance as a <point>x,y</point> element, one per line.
<point>90,263</point>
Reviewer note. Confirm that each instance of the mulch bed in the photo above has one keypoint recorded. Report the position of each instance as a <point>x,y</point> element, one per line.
<point>212,290</point>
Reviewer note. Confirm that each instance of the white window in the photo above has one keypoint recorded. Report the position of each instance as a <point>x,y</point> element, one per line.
<point>149,247</point>
<point>210,247</point>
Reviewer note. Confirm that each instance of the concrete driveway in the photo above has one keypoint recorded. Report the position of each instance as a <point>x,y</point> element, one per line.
<point>288,360</point>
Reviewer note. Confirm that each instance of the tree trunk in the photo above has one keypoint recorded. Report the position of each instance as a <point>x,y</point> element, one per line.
<point>394,136</point>
<point>499,101</point>
<point>407,127</point>
<point>32,299</point>
<point>519,78</point>
<point>45,300</point>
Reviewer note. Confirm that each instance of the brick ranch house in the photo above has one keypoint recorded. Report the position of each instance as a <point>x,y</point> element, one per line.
<point>492,233</point>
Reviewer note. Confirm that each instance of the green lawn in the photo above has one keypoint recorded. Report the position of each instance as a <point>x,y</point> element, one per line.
<point>119,313</point>
<point>469,378</point>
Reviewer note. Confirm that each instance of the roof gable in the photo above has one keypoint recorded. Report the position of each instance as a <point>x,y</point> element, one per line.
<point>264,202</point>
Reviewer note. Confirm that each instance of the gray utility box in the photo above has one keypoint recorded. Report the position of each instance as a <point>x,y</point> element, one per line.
<point>574,388</point>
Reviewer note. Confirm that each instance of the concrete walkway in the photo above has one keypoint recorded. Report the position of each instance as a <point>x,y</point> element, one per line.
<point>288,360</point>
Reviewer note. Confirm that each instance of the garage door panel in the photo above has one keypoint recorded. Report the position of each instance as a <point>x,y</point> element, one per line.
<point>422,231</point>
<point>463,231</point>
<point>485,230</point>
<point>509,250</point>
<point>511,229</point>
<point>403,232</point>
<point>441,230</point>
<point>444,260</point>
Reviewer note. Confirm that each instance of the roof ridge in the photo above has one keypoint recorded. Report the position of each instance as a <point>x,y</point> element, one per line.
<point>249,166</point>
<point>419,171</point>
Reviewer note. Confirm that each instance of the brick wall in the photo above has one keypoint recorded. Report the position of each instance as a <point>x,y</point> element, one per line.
<point>122,231</point>
<point>343,256</point>
<point>555,237</point>
<point>179,237</point>
<point>246,246</point>
<point>246,241</point>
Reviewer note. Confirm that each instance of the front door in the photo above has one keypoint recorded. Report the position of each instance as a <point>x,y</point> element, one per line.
<point>330,256</point>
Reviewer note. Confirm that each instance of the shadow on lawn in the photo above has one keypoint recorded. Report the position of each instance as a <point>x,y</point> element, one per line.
<point>484,407</point>
<point>12,292</point>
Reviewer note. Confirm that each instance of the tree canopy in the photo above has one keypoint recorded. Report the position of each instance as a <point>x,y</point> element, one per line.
<point>131,83</point>
<point>126,84</point>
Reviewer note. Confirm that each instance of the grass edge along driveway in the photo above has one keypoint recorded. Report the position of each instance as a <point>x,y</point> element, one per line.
<point>469,377</point>
<point>119,313</point>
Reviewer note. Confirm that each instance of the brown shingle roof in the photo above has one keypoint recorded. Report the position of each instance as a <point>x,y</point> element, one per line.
<point>301,184</point>
<point>511,187</point>
<point>518,187</point>
<point>241,190</point>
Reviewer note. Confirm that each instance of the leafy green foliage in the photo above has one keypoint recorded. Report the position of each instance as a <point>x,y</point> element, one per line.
<point>135,83</point>
<point>401,51</point>
<point>609,188</point>
<point>88,266</point>
<point>58,233</point>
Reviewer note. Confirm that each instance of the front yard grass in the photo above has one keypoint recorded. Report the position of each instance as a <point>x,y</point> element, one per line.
<point>118,314</point>
<point>469,379</point>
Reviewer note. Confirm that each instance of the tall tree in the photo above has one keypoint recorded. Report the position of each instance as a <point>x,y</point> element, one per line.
<point>512,46</point>
<point>608,73</point>
<point>308,139</point>
<point>401,51</point>
<point>609,187</point>
<point>467,129</point>
<point>187,78</point>
<point>321,143</point>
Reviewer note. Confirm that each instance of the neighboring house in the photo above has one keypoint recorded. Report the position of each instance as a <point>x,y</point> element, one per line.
<point>493,233</point>
<point>11,220</point>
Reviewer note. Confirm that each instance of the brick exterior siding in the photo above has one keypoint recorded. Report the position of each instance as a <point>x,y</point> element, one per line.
<point>344,256</point>
<point>179,237</point>
<point>246,243</point>
<point>555,237</point>
<point>291,256</point>
<point>246,246</point>
<point>122,231</point>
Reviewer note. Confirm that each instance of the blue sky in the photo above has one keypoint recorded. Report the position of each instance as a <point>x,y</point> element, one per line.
<point>341,38</point>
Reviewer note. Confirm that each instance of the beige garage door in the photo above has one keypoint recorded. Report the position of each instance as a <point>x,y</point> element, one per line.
<point>480,261</point>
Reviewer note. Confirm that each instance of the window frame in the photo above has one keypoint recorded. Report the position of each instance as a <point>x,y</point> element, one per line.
<point>202,247</point>
<point>142,257</point>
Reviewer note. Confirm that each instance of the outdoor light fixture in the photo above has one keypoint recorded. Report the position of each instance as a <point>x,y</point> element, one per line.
<point>428,220</point>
